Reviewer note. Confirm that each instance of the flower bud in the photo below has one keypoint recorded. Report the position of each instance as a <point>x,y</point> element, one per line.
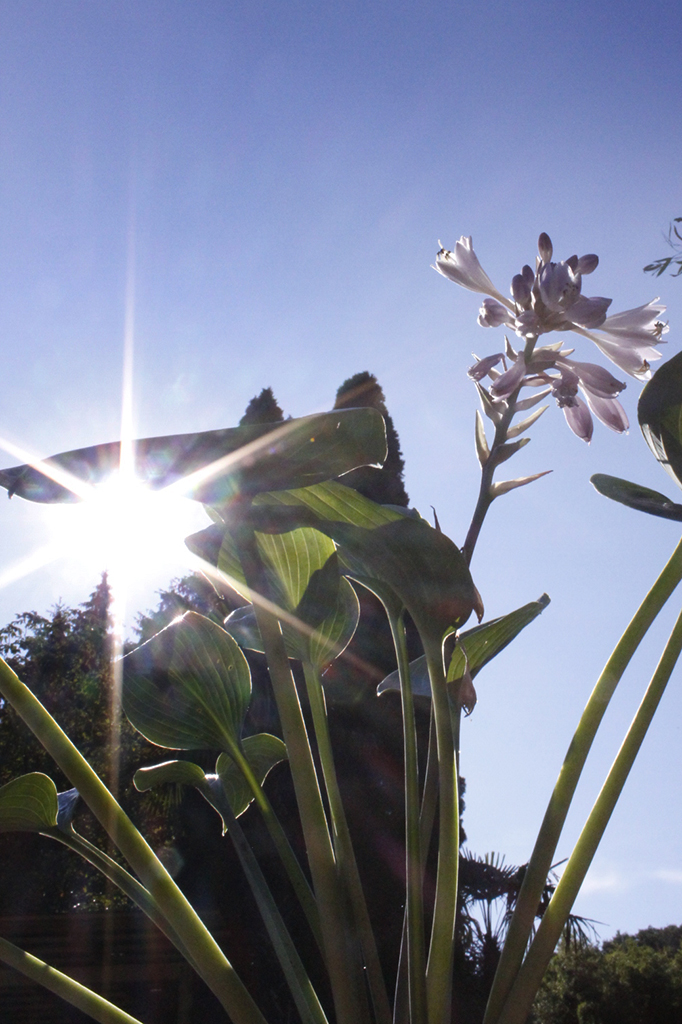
<point>545,247</point>
<point>586,264</point>
<point>493,314</point>
<point>520,290</point>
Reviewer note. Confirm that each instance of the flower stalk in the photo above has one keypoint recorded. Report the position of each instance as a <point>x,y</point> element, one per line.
<point>555,816</point>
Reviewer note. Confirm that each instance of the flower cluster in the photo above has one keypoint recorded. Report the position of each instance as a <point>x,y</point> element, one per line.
<point>547,299</point>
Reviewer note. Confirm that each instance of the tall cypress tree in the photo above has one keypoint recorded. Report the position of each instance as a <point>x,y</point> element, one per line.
<point>385,485</point>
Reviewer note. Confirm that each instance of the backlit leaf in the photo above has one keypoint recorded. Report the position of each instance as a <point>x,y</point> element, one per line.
<point>244,460</point>
<point>29,804</point>
<point>188,687</point>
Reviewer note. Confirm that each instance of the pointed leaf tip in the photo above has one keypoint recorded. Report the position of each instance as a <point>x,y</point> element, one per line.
<point>643,499</point>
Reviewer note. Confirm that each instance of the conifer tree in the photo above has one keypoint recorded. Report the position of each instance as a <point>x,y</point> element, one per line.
<point>385,485</point>
<point>262,408</point>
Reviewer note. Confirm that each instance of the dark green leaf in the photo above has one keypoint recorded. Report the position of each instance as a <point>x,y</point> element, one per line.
<point>240,460</point>
<point>482,644</point>
<point>180,773</point>
<point>263,752</point>
<point>188,687</point>
<point>29,804</point>
<point>319,645</point>
<point>636,496</point>
<point>420,565</point>
<point>660,416</point>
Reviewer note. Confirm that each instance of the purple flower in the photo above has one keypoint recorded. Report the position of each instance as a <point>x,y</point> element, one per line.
<point>550,299</point>
<point>493,314</point>
<point>462,266</point>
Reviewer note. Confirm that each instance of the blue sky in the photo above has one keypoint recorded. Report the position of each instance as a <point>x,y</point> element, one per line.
<point>285,172</point>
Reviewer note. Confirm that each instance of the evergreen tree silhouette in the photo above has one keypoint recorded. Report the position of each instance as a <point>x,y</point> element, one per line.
<point>385,485</point>
<point>262,408</point>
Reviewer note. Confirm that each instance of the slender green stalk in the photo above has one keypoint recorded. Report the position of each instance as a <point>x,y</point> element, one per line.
<point>521,997</point>
<point>216,969</point>
<point>441,950</point>
<point>427,814</point>
<point>84,999</point>
<point>343,846</point>
<point>124,880</point>
<point>485,497</point>
<point>548,837</point>
<point>344,969</point>
<point>300,986</point>
<point>283,846</point>
<point>414,904</point>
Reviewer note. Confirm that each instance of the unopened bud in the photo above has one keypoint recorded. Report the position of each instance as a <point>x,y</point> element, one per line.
<point>520,290</point>
<point>545,247</point>
<point>586,264</point>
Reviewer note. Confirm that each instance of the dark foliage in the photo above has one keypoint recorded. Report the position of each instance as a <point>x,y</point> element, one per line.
<point>262,408</point>
<point>384,485</point>
<point>630,980</point>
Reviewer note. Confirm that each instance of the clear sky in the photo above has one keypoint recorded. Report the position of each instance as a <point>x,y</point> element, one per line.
<point>263,186</point>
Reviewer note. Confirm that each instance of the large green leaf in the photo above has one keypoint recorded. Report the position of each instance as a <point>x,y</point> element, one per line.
<point>395,550</point>
<point>178,773</point>
<point>188,687</point>
<point>243,460</point>
<point>660,416</point>
<point>29,804</point>
<point>319,645</point>
<point>263,752</point>
<point>420,565</point>
<point>481,643</point>
<point>636,496</point>
<point>334,502</point>
<point>285,511</point>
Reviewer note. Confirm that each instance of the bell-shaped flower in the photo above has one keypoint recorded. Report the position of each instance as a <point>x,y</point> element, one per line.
<point>504,385</point>
<point>559,286</point>
<point>461,266</point>
<point>593,378</point>
<point>482,367</point>
<point>628,338</point>
<point>579,419</point>
<point>588,312</point>
<point>493,314</point>
<point>638,326</point>
<point>609,411</point>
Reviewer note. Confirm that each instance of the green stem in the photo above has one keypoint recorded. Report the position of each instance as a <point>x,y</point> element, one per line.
<point>124,880</point>
<point>530,976</point>
<point>344,973</point>
<point>439,968</point>
<point>216,969</point>
<point>84,999</point>
<point>485,498</point>
<point>414,905</point>
<point>343,846</point>
<point>283,846</point>
<point>557,809</point>
<point>304,994</point>
<point>427,815</point>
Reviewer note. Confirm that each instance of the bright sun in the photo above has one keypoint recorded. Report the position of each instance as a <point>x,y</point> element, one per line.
<point>126,529</point>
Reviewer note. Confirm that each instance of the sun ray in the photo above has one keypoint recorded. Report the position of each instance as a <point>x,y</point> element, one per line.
<point>60,476</point>
<point>36,560</point>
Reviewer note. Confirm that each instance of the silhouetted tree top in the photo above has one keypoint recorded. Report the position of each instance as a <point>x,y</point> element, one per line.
<point>383,485</point>
<point>262,408</point>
